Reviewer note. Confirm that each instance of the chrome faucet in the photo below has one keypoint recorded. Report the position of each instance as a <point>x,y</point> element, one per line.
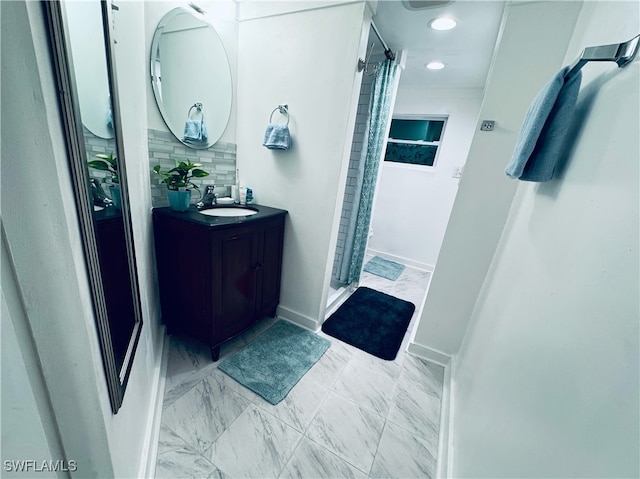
<point>99,196</point>
<point>209,198</point>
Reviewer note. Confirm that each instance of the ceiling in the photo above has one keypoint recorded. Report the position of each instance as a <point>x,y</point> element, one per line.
<point>466,50</point>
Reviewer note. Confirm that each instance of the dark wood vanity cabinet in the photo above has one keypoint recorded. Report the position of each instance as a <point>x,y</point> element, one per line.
<point>116,280</point>
<point>218,275</point>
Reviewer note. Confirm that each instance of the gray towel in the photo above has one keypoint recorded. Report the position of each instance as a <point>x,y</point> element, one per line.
<point>277,137</point>
<point>544,129</point>
<point>109,118</point>
<point>195,132</point>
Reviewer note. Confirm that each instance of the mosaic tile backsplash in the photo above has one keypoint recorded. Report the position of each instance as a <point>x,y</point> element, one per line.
<point>95,145</point>
<point>165,150</point>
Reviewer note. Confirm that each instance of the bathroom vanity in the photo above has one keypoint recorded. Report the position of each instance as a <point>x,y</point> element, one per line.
<point>116,282</point>
<point>218,275</point>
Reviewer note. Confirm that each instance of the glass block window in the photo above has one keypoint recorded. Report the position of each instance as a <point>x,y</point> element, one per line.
<point>415,141</point>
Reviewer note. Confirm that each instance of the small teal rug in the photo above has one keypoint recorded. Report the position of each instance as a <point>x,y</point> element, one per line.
<point>272,364</point>
<point>384,267</point>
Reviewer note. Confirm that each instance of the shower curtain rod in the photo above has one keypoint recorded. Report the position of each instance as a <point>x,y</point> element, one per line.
<point>363,64</point>
<point>387,51</point>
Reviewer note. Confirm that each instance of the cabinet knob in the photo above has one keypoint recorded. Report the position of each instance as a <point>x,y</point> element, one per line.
<point>257,266</point>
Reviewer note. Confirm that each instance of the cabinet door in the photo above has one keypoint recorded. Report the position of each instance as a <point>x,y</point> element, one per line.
<point>114,266</point>
<point>183,274</point>
<point>271,268</point>
<point>237,256</point>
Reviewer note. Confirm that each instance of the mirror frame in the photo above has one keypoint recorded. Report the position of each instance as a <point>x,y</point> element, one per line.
<point>157,35</point>
<point>60,49</point>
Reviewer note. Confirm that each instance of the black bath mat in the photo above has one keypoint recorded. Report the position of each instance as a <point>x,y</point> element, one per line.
<point>372,321</point>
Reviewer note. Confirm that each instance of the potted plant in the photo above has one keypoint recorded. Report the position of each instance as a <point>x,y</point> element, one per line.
<point>109,163</point>
<point>179,184</point>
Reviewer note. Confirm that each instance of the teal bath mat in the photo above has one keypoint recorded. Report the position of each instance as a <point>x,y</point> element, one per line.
<point>272,364</point>
<point>384,267</point>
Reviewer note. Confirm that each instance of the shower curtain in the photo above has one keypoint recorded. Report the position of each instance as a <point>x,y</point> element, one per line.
<point>379,111</point>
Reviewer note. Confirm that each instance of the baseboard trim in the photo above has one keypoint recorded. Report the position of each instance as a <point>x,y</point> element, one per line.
<point>403,260</point>
<point>297,318</point>
<point>445,441</point>
<point>338,300</point>
<point>150,449</point>
<point>429,354</point>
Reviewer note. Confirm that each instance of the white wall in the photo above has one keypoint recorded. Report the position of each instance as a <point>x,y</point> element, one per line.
<point>547,383</point>
<point>29,430</point>
<point>44,243</point>
<point>47,245</point>
<point>23,431</point>
<point>252,9</point>
<point>129,430</point>
<point>307,60</point>
<point>532,45</point>
<point>413,203</point>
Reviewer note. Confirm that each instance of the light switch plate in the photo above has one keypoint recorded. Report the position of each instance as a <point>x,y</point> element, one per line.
<point>487,125</point>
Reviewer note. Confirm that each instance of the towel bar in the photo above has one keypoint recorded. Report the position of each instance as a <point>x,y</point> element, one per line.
<point>283,109</point>
<point>198,106</point>
<point>621,53</point>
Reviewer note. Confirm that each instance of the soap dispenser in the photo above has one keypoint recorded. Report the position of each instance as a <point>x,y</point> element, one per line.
<point>235,189</point>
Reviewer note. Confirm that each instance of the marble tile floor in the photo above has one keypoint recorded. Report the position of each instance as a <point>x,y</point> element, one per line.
<point>351,416</point>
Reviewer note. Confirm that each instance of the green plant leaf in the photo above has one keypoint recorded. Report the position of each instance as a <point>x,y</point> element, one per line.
<point>112,160</point>
<point>180,176</point>
<point>99,165</point>
<point>198,173</point>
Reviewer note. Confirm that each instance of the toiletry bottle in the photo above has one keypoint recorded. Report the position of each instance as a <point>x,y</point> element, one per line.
<point>236,197</point>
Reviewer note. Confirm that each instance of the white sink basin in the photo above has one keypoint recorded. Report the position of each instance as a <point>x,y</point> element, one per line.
<point>231,211</point>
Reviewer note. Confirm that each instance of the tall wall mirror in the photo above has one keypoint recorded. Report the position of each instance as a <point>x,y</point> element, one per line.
<point>191,77</point>
<point>82,52</point>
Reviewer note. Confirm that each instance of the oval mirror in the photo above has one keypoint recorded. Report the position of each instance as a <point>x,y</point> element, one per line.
<point>191,78</point>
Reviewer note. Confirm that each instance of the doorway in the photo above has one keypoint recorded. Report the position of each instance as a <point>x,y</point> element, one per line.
<point>413,202</point>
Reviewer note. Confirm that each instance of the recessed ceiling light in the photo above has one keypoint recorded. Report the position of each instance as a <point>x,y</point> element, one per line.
<point>435,65</point>
<point>443,23</point>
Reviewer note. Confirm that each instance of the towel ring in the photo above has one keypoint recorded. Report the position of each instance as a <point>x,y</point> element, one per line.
<point>283,109</point>
<point>198,106</point>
